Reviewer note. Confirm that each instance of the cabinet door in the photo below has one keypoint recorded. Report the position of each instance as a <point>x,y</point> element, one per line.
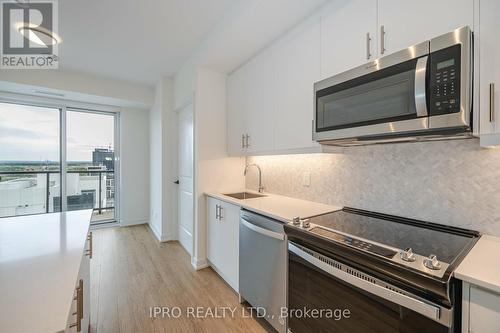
<point>489,64</point>
<point>344,28</point>
<point>237,107</point>
<point>214,238</point>
<point>297,70</point>
<point>260,113</point>
<point>484,311</point>
<point>85,276</point>
<point>229,244</point>
<point>408,22</point>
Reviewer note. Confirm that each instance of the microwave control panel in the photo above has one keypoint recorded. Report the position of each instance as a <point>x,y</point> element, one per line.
<point>444,81</point>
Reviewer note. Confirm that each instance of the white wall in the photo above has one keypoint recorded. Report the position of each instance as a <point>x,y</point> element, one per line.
<point>156,174</point>
<point>77,87</point>
<point>134,163</point>
<point>163,138</point>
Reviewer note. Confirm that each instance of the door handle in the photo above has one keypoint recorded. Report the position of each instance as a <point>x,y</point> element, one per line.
<point>429,310</point>
<point>368,42</point>
<point>262,231</point>
<point>79,307</point>
<point>420,91</point>
<point>247,140</point>
<point>90,250</point>
<point>382,39</point>
<point>492,102</point>
<point>176,182</point>
<point>220,212</point>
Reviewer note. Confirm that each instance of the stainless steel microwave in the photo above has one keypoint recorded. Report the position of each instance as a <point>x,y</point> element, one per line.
<point>421,93</point>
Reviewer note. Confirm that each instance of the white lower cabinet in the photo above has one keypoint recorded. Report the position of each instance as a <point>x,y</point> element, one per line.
<point>481,310</point>
<point>223,239</point>
<point>79,315</point>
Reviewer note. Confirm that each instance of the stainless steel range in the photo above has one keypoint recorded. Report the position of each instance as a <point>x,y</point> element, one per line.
<point>392,274</point>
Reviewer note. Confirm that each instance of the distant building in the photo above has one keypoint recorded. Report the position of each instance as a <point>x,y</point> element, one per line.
<point>103,157</point>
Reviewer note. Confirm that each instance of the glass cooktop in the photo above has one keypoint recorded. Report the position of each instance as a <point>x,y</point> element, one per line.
<point>424,238</point>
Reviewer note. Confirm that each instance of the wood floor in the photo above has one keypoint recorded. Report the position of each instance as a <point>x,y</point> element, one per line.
<point>131,272</point>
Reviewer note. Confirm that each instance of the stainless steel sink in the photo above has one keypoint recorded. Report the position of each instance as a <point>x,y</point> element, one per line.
<point>244,195</point>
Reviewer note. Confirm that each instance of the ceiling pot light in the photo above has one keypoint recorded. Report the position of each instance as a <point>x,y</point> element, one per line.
<point>39,35</point>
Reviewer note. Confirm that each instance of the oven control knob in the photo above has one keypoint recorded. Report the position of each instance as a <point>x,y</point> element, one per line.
<point>408,255</point>
<point>432,262</point>
<point>305,224</point>
<point>296,221</point>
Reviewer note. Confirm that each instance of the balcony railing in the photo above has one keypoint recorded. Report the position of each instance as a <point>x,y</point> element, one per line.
<point>80,199</point>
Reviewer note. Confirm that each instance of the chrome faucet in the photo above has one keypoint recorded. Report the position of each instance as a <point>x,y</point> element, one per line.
<point>261,188</point>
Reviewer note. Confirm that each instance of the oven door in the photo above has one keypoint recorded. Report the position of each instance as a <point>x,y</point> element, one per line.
<point>387,96</point>
<point>318,282</point>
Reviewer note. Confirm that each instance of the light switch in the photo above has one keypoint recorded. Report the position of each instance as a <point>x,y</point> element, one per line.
<point>306,179</point>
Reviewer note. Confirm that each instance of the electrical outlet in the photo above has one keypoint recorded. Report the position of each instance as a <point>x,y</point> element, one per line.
<point>306,179</point>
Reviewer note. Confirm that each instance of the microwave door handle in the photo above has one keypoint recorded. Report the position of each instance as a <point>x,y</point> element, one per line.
<point>420,87</point>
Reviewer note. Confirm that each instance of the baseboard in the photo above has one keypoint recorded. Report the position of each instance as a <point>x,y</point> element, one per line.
<point>155,232</point>
<point>489,140</point>
<point>199,263</point>
<point>130,223</point>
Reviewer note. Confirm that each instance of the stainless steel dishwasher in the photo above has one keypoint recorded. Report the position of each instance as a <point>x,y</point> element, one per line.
<point>263,266</point>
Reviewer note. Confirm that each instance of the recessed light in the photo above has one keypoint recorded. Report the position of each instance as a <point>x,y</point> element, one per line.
<point>39,35</point>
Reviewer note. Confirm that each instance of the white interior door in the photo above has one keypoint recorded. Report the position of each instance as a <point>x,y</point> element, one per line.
<point>186,203</point>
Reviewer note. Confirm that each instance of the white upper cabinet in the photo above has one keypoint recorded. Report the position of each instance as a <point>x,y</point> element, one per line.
<point>261,102</point>
<point>297,70</point>
<point>237,108</point>
<point>403,23</point>
<point>488,39</point>
<point>348,35</point>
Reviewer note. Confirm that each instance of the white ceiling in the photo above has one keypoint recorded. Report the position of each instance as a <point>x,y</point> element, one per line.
<point>142,40</point>
<point>134,40</point>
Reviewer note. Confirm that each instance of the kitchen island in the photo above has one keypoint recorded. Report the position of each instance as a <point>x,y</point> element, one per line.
<point>45,272</point>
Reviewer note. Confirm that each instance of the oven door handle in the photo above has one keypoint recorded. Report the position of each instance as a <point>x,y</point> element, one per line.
<point>262,231</point>
<point>420,87</point>
<point>428,310</point>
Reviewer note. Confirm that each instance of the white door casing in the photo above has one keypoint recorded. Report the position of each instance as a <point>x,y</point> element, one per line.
<point>185,160</point>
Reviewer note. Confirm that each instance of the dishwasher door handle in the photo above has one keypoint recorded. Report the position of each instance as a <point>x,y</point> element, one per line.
<point>262,231</point>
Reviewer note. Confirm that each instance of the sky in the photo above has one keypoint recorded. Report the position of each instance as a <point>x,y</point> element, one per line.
<point>29,133</point>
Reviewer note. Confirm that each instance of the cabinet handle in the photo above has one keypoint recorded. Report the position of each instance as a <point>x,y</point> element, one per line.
<point>90,250</point>
<point>247,140</point>
<point>492,102</point>
<point>216,212</point>
<point>79,307</point>
<point>243,141</point>
<point>382,39</point>
<point>368,42</point>
<point>220,213</point>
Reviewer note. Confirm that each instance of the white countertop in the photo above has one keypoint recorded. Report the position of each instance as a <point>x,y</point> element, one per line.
<point>477,267</point>
<point>40,258</point>
<point>277,206</point>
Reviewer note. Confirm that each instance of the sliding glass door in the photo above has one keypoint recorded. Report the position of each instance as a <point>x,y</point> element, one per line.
<point>56,159</point>
<point>90,168</point>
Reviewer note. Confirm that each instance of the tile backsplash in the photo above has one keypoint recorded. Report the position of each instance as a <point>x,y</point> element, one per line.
<point>449,182</point>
